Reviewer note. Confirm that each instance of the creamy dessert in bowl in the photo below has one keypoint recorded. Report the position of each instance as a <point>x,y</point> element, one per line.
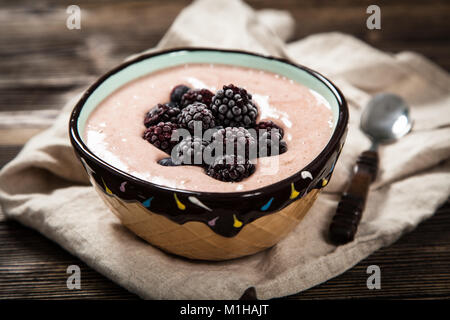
<point>123,130</point>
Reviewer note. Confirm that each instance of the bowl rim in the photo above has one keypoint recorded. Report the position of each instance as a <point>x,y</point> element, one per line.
<point>340,128</point>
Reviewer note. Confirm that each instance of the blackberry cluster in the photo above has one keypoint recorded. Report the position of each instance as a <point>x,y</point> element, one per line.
<point>196,112</point>
<point>167,112</point>
<point>230,168</point>
<point>160,136</point>
<point>196,95</point>
<point>233,107</point>
<point>232,112</point>
<point>189,151</point>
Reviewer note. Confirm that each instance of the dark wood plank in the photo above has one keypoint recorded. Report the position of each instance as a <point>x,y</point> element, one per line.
<point>33,267</point>
<point>416,266</point>
<point>36,44</point>
<point>7,153</point>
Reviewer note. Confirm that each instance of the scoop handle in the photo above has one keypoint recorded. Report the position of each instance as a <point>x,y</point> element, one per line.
<point>349,211</point>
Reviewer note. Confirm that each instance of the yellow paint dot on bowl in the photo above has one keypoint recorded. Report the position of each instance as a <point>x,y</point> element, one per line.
<point>324,182</point>
<point>179,204</point>
<point>237,223</point>
<point>294,193</point>
<point>108,191</point>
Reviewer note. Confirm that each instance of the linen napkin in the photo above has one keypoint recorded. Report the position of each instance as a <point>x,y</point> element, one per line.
<point>45,187</point>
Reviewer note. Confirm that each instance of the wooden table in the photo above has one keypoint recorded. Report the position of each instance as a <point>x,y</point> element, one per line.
<point>42,61</point>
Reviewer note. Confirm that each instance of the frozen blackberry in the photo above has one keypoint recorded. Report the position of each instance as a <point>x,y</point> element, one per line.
<point>177,92</point>
<point>268,125</point>
<point>196,95</point>
<point>237,139</point>
<point>230,168</point>
<point>270,143</point>
<point>195,114</point>
<point>233,107</point>
<point>189,151</point>
<point>167,112</point>
<point>160,136</point>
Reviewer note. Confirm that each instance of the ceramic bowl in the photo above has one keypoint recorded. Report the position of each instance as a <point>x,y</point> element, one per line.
<point>226,225</point>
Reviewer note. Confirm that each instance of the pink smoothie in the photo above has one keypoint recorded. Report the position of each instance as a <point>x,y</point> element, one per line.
<point>114,129</point>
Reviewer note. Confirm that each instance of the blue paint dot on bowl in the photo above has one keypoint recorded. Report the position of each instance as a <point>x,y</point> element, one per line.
<point>147,202</point>
<point>267,205</point>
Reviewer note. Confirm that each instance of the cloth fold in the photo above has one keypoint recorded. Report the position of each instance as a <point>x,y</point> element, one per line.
<point>45,187</point>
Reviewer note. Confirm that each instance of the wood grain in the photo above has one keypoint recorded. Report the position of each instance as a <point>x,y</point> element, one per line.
<point>42,62</point>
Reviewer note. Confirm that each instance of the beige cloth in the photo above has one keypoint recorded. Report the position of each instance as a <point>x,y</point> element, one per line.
<point>45,187</point>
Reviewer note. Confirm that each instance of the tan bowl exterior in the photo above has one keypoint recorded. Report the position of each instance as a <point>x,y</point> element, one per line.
<point>196,240</point>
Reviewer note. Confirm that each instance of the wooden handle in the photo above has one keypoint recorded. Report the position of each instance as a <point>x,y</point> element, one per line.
<point>349,211</point>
